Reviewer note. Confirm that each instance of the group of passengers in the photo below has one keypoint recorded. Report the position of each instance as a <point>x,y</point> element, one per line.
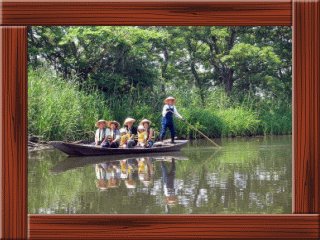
<point>111,174</point>
<point>109,135</point>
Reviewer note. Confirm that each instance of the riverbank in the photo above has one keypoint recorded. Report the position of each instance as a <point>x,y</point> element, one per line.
<point>60,110</point>
<point>41,145</point>
<point>35,144</point>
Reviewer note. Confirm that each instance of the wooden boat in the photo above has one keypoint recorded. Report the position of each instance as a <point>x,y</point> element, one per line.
<point>82,161</point>
<point>73,149</point>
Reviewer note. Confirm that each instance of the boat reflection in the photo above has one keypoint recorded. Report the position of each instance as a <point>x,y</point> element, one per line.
<point>139,170</point>
<point>130,172</point>
<point>76,162</point>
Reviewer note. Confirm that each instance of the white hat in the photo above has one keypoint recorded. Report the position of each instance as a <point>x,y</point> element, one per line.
<point>101,121</point>
<point>128,120</point>
<point>170,98</point>
<point>140,127</point>
<point>122,130</point>
<point>145,120</point>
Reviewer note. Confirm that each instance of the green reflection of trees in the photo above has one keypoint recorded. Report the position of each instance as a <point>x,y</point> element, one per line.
<point>246,176</point>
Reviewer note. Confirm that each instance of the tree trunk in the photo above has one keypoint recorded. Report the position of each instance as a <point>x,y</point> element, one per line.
<point>228,80</point>
<point>198,83</point>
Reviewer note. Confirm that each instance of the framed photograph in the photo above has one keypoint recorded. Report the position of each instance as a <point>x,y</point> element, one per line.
<point>303,16</point>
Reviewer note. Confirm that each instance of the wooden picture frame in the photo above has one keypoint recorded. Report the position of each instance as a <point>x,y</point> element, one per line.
<point>304,16</point>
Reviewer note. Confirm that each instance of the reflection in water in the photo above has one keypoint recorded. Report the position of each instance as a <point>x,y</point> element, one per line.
<point>168,185</point>
<point>246,176</point>
<point>132,171</point>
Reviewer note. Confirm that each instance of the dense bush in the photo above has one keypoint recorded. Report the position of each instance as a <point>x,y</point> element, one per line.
<point>61,110</point>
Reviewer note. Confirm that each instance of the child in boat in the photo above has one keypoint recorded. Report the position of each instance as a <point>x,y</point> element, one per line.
<point>150,135</point>
<point>101,136</point>
<point>167,117</point>
<point>142,136</point>
<point>124,138</point>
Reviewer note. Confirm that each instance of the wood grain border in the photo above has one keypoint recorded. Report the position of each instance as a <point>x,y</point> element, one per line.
<point>304,16</point>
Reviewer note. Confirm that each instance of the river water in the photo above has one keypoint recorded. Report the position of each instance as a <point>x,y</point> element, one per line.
<point>247,176</point>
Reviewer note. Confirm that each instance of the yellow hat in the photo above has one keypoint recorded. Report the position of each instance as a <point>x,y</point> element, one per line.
<point>170,98</point>
<point>101,121</point>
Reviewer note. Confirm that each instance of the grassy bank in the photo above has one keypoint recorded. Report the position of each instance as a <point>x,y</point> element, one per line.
<point>58,110</point>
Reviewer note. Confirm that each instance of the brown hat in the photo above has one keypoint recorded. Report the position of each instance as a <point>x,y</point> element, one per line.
<point>114,122</point>
<point>170,98</point>
<point>128,120</point>
<point>145,120</point>
<point>101,121</point>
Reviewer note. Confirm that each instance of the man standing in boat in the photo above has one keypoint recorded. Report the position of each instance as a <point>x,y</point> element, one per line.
<point>167,117</point>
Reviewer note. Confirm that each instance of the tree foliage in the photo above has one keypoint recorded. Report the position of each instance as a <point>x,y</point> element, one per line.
<point>158,59</point>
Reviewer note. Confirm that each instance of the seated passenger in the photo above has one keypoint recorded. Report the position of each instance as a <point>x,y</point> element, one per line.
<point>131,132</point>
<point>101,134</point>
<point>142,137</point>
<point>124,137</point>
<point>150,134</point>
<point>114,134</point>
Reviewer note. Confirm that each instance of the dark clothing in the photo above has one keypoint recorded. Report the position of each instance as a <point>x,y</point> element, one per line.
<point>167,122</point>
<point>106,144</point>
<point>164,127</point>
<point>169,115</point>
<point>114,145</point>
<point>168,178</point>
<point>150,143</point>
<point>132,130</point>
<point>133,142</point>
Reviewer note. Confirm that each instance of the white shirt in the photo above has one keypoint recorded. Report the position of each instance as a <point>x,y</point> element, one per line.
<point>116,133</point>
<point>164,111</point>
<point>102,133</point>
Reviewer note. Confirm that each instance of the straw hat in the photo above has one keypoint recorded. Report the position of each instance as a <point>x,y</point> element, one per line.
<point>101,121</point>
<point>114,122</point>
<point>128,120</point>
<point>170,98</point>
<point>145,120</point>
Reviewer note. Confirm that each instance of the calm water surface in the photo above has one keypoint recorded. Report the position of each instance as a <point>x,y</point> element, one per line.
<point>249,175</point>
